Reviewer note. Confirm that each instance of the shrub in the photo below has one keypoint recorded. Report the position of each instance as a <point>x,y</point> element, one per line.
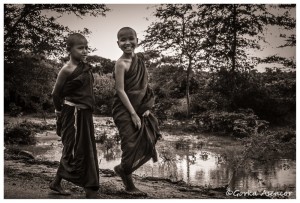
<point>37,127</point>
<point>19,135</point>
<point>29,81</point>
<point>239,124</point>
<point>179,115</point>
<point>101,138</point>
<point>261,148</point>
<point>206,100</point>
<point>162,106</point>
<point>14,110</point>
<point>269,145</point>
<point>23,133</point>
<point>182,144</point>
<point>104,91</point>
<point>285,135</point>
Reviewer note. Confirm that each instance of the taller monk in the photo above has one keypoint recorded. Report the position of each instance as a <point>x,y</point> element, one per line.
<point>133,100</point>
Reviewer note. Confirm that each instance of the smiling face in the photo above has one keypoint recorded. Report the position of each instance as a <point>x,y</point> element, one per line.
<point>127,40</point>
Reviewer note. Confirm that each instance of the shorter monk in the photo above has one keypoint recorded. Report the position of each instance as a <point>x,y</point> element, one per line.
<point>74,102</point>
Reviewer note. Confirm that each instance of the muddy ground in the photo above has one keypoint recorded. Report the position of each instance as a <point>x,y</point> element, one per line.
<point>27,178</point>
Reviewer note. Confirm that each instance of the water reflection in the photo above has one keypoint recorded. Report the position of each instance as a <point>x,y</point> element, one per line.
<point>167,166</point>
<point>193,164</point>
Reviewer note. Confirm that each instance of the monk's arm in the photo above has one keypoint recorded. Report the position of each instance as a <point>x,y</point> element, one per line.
<point>56,93</point>
<point>119,76</point>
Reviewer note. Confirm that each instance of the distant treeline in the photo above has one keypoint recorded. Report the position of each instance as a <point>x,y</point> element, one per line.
<point>270,94</point>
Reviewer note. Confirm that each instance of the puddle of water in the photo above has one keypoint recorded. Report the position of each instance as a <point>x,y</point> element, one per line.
<point>200,167</point>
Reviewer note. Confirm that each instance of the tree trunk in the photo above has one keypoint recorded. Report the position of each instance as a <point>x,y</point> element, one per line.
<point>233,47</point>
<point>188,167</point>
<point>188,87</point>
<point>233,57</point>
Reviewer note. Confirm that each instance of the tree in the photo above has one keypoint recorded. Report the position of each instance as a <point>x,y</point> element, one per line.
<point>27,28</point>
<point>235,29</point>
<point>29,36</point>
<point>28,82</point>
<point>101,65</point>
<point>177,30</point>
<point>288,22</point>
<point>288,63</point>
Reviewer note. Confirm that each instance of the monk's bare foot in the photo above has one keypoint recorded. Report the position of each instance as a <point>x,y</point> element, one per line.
<point>135,191</point>
<point>131,187</point>
<point>90,194</point>
<point>119,171</point>
<point>58,189</point>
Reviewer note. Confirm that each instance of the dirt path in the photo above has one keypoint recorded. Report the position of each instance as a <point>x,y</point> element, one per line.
<point>26,178</point>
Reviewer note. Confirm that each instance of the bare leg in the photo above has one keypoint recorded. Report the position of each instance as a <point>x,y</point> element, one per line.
<point>127,181</point>
<point>120,172</point>
<point>55,185</point>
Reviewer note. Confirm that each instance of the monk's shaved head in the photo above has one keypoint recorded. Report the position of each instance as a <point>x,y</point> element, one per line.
<point>126,29</point>
<point>74,39</point>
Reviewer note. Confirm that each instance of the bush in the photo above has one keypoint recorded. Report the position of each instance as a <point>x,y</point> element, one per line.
<point>19,134</point>
<point>23,133</point>
<point>269,145</point>
<point>37,127</point>
<point>206,100</point>
<point>29,81</point>
<point>162,106</point>
<point>285,135</point>
<point>271,94</point>
<point>101,138</point>
<point>182,144</point>
<point>104,91</point>
<point>238,124</point>
<point>14,110</point>
<point>179,115</point>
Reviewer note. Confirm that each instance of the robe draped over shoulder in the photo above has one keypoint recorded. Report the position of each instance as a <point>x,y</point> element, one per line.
<point>138,146</point>
<point>79,163</point>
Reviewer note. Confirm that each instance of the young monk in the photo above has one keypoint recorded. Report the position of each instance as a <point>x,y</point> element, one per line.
<point>73,99</point>
<point>138,128</point>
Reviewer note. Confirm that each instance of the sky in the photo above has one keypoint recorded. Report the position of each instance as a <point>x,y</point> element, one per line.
<point>104,29</point>
<point>139,17</point>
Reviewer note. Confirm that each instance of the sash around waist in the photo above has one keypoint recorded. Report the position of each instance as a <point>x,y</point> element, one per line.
<point>80,106</point>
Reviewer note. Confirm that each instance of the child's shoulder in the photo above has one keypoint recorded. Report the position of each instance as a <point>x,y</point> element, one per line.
<point>68,68</point>
<point>122,63</point>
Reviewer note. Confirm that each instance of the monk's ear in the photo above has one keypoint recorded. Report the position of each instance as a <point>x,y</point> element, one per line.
<point>137,40</point>
<point>118,43</point>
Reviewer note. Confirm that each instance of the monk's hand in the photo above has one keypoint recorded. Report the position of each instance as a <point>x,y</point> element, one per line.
<point>136,120</point>
<point>58,114</point>
<point>146,113</point>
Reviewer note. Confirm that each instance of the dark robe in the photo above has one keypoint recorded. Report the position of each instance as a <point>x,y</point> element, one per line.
<point>138,146</point>
<point>79,163</point>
